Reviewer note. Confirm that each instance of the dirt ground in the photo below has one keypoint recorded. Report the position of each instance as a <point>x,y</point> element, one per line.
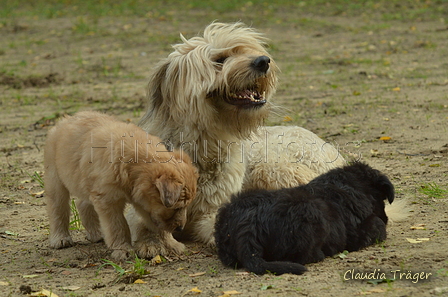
<point>377,88</point>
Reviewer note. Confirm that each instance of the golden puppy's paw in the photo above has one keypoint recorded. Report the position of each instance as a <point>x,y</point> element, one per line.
<point>121,254</point>
<point>61,242</point>
<point>149,249</point>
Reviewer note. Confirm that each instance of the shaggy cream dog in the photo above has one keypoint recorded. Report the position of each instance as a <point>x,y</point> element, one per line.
<point>106,164</point>
<point>209,97</point>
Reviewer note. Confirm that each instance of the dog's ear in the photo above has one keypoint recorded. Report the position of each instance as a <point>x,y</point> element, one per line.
<point>155,85</point>
<point>169,190</point>
<point>387,189</point>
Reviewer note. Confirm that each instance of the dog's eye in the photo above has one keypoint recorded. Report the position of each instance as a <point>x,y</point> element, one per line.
<point>221,60</point>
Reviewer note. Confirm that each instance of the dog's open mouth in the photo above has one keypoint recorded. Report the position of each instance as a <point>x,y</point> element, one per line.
<point>246,98</point>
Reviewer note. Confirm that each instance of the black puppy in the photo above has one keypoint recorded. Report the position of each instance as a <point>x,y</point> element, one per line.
<point>278,231</point>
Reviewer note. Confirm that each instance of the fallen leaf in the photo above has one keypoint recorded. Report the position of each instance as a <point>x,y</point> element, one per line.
<point>4,283</point>
<point>287,119</point>
<point>418,240</point>
<point>418,227</point>
<point>385,138</point>
<point>71,288</point>
<point>195,290</point>
<point>397,89</point>
<point>43,292</point>
<point>196,274</point>
<point>139,281</point>
<point>157,260</point>
<point>233,292</point>
<point>411,240</point>
<point>31,276</point>
<point>37,194</point>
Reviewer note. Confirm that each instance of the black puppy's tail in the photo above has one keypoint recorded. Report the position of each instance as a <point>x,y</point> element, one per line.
<point>250,254</point>
<point>260,266</point>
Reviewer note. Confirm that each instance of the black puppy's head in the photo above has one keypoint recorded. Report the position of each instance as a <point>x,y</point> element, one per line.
<point>374,184</point>
<point>378,184</point>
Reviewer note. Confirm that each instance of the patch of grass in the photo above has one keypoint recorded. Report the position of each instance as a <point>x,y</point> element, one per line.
<point>137,270</point>
<point>402,10</point>
<point>432,190</point>
<point>36,177</point>
<point>75,223</point>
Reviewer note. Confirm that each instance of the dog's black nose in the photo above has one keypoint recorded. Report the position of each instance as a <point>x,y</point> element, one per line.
<point>261,63</point>
<point>179,229</point>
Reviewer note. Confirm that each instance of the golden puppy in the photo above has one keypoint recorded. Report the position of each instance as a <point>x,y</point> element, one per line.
<point>106,164</point>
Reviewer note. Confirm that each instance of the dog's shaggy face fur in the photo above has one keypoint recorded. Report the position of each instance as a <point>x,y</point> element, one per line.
<point>221,81</point>
<point>208,95</point>
<point>279,231</point>
<point>106,164</point>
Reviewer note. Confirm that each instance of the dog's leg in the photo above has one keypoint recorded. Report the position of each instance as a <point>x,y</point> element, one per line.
<point>113,223</point>
<point>90,220</point>
<point>58,209</point>
<point>145,239</point>
<point>203,228</point>
<point>171,244</point>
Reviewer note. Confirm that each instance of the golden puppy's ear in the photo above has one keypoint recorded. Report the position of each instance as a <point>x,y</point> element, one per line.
<point>169,190</point>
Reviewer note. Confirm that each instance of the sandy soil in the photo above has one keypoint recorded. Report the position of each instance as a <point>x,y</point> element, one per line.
<point>377,89</point>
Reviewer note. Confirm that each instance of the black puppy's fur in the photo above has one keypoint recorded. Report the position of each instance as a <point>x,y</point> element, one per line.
<point>278,231</point>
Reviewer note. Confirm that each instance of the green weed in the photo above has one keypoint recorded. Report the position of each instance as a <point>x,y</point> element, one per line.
<point>136,271</point>
<point>432,190</point>
<point>75,223</point>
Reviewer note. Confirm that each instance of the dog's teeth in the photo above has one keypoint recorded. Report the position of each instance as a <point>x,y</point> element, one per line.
<point>252,97</point>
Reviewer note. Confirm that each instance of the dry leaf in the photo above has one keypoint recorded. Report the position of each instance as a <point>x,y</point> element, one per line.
<point>411,240</point>
<point>71,288</point>
<point>4,283</point>
<point>195,290</point>
<point>43,292</point>
<point>385,138</point>
<point>196,274</point>
<point>139,281</point>
<point>418,240</point>
<point>418,227</point>
<point>37,194</point>
<point>233,292</point>
<point>31,276</point>
<point>397,89</point>
<point>374,152</point>
<point>287,119</point>
<point>156,260</point>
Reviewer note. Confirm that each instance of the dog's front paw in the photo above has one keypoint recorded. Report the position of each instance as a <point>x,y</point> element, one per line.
<point>121,254</point>
<point>175,246</point>
<point>94,236</point>
<point>149,249</point>
<point>61,242</point>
